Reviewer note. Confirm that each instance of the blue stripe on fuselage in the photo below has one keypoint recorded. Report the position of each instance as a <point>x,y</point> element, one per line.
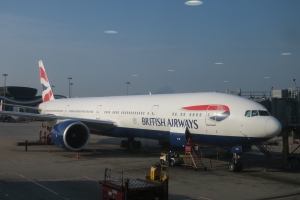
<point>220,117</point>
<point>213,140</point>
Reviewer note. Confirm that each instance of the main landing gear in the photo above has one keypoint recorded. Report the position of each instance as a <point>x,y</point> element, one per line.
<point>131,144</point>
<point>235,165</point>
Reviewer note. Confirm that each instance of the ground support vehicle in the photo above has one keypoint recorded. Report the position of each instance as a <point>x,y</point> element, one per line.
<point>171,159</point>
<point>44,139</point>
<point>6,118</point>
<point>155,185</point>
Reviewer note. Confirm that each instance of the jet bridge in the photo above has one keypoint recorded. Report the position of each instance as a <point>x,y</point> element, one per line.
<point>285,106</point>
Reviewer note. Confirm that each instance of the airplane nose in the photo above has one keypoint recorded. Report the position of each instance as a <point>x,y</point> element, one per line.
<point>273,127</point>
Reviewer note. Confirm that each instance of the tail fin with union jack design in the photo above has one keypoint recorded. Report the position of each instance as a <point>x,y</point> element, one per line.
<point>47,91</point>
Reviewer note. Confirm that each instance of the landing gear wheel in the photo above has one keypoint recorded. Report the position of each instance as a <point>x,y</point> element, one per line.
<point>172,163</point>
<point>131,144</point>
<point>239,166</point>
<point>232,167</point>
<point>162,162</point>
<point>138,145</point>
<point>124,144</point>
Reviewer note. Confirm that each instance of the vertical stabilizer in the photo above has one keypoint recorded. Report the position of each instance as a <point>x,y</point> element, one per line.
<point>47,91</point>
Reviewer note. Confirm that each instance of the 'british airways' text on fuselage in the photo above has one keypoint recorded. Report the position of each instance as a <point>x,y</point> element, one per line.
<point>189,123</point>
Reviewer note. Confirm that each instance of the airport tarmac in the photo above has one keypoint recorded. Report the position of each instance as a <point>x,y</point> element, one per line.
<point>60,174</point>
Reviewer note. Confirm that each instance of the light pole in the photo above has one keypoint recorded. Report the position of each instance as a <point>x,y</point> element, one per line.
<point>71,85</point>
<point>70,78</point>
<point>128,83</point>
<point>52,86</point>
<point>5,75</point>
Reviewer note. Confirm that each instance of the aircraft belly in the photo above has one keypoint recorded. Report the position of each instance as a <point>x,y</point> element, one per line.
<point>139,133</point>
<point>207,139</point>
<point>222,140</point>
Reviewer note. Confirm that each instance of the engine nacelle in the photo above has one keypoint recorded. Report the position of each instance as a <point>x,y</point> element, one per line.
<point>70,134</point>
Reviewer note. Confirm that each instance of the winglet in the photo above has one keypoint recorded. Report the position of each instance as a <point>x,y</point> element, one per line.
<point>47,91</point>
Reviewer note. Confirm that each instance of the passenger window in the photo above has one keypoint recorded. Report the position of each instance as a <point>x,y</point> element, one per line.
<point>254,113</point>
<point>247,113</point>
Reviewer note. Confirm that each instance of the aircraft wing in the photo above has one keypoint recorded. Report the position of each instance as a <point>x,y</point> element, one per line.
<point>95,126</point>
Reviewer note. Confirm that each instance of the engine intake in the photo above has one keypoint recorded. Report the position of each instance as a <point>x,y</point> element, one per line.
<point>70,134</point>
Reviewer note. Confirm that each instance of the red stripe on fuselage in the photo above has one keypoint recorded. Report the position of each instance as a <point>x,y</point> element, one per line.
<point>207,107</point>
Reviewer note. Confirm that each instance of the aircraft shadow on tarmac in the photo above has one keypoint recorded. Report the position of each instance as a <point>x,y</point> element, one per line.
<point>109,148</point>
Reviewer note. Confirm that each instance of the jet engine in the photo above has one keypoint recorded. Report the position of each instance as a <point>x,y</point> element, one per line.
<point>70,134</point>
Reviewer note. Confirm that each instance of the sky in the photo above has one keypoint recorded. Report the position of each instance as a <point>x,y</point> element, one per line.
<point>218,45</point>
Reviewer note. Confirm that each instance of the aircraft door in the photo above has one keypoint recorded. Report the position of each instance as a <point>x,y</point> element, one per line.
<point>211,114</point>
<point>98,110</point>
<point>178,136</point>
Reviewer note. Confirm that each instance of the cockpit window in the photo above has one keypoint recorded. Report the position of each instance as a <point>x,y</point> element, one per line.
<point>248,113</point>
<point>264,113</point>
<point>254,113</point>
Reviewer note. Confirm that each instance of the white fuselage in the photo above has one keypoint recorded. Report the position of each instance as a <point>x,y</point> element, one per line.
<point>211,118</point>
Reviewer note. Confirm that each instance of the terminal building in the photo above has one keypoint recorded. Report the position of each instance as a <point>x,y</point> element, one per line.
<point>24,96</point>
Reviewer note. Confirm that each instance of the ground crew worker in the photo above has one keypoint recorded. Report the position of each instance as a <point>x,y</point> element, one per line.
<point>168,158</point>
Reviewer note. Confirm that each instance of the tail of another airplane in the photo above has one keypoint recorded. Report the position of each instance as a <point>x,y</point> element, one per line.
<point>47,91</point>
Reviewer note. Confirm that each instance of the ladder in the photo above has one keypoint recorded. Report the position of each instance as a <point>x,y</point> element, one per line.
<point>264,150</point>
<point>195,160</point>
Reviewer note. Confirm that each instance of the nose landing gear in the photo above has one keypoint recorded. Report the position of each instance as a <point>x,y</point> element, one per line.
<point>235,165</point>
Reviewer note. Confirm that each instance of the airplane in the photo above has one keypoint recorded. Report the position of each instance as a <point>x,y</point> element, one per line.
<point>210,118</point>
